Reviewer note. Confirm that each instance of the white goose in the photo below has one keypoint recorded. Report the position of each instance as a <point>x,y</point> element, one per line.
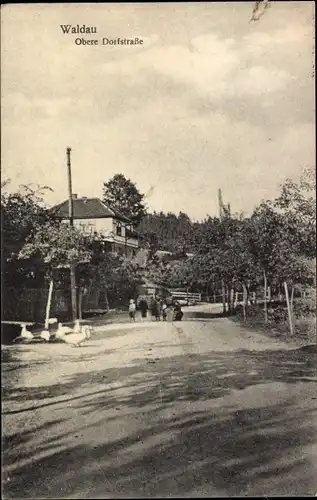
<point>62,331</point>
<point>25,334</point>
<point>52,321</point>
<point>45,335</point>
<point>88,330</point>
<point>78,336</point>
<point>73,336</point>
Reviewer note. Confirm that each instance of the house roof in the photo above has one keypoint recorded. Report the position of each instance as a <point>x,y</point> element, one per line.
<point>87,208</point>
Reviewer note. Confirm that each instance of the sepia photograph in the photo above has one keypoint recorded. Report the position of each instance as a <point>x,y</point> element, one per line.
<point>158,250</point>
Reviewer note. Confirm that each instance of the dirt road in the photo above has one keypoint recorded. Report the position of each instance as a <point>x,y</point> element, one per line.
<point>199,408</point>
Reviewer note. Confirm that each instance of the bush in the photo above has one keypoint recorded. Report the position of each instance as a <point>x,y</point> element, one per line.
<point>305,307</point>
<point>279,314</point>
<point>306,327</point>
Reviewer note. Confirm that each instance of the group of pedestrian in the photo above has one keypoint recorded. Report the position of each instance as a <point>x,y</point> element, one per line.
<point>143,306</point>
<point>158,309</point>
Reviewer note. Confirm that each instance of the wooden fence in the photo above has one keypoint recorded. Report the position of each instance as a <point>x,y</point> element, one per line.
<point>190,297</point>
<point>29,304</point>
<point>254,297</point>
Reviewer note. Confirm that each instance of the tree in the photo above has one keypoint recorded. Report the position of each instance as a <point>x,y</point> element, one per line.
<point>57,244</point>
<point>281,235</point>
<point>34,243</point>
<point>160,231</point>
<point>297,204</point>
<point>122,195</point>
<point>118,276</point>
<point>22,213</point>
<point>259,8</point>
<point>223,258</point>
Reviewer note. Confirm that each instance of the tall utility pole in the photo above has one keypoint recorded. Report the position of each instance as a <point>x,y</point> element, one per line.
<point>70,193</point>
<point>223,288</point>
<point>224,209</point>
<point>220,204</point>
<point>73,290</point>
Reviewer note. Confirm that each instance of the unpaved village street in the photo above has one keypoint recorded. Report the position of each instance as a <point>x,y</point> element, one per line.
<point>200,407</point>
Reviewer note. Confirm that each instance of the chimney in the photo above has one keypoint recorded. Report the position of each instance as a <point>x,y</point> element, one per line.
<point>74,196</point>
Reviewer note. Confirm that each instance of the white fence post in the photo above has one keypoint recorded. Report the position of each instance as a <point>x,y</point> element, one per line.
<point>290,319</point>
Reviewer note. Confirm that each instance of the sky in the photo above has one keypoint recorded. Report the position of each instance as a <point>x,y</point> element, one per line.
<point>208,101</point>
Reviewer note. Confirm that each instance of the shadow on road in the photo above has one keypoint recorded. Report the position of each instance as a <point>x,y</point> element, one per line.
<point>192,315</point>
<point>197,451</point>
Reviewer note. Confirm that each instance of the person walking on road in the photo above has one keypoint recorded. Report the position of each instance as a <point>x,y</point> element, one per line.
<point>164,311</point>
<point>143,308</point>
<point>132,310</point>
<point>155,312</point>
<point>177,313</point>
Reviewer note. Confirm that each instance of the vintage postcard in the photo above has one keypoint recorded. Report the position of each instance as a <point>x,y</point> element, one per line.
<point>158,201</point>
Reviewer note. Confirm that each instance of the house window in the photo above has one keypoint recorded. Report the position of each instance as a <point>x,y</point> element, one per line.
<point>119,230</point>
<point>91,227</point>
<point>87,227</point>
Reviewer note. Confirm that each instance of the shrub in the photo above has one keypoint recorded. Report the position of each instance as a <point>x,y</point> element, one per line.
<point>305,307</point>
<point>279,314</point>
<point>306,327</point>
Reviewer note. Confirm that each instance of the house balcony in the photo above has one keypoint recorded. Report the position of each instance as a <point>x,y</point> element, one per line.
<point>122,240</point>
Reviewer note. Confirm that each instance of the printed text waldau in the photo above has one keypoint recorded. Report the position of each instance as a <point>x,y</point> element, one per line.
<point>78,28</point>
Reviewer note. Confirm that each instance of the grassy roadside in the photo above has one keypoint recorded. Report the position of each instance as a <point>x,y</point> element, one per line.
<point>277,326</point>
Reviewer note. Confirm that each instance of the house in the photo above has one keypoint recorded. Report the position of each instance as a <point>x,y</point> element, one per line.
<point>94,217</point>
<point>149,290</point>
